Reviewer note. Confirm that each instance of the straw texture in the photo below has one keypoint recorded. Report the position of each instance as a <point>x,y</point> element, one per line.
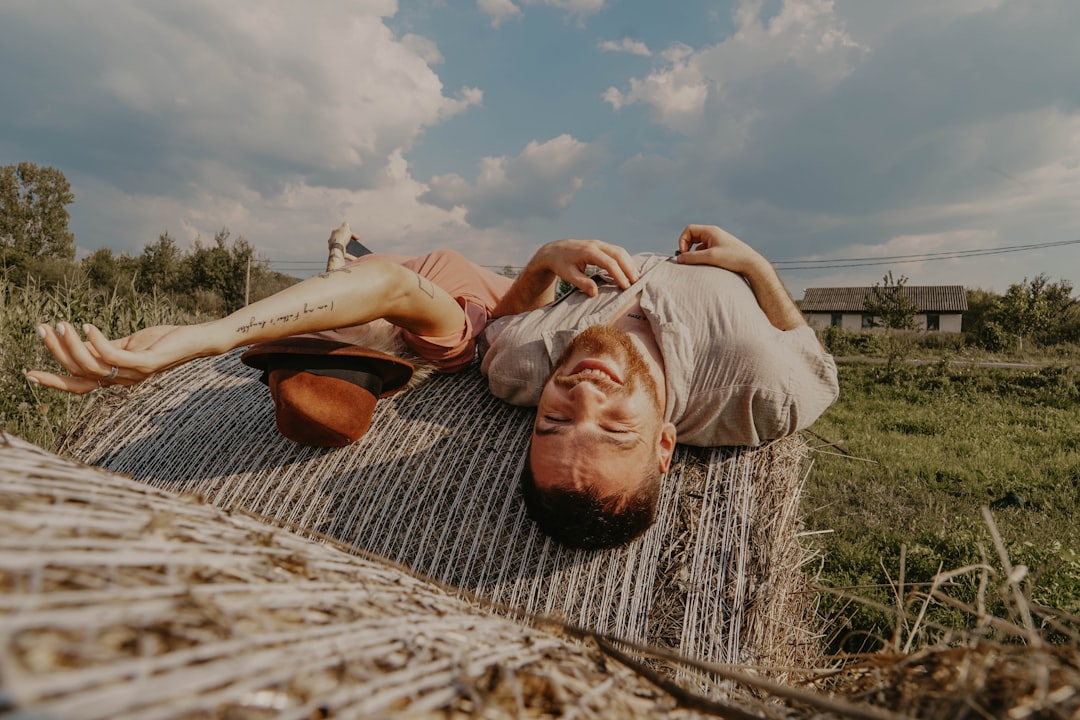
<point>433,486</point>
<point>118,600</point>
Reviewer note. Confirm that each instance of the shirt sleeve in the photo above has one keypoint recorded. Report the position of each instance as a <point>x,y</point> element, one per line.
<point>759,388</point>
<point>515,362</point>
<point>812,385</point>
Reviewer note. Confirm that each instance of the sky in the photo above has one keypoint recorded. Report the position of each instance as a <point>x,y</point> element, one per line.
<point>827,134</point>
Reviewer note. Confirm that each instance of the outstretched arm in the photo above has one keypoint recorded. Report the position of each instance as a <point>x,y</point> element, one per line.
<point>353,295</point>
<point>566,259</point>
<point>720,248</point>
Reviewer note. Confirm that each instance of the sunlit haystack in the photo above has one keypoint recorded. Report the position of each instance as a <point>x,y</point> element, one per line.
<point>433,486</point>
<point>118,600</point>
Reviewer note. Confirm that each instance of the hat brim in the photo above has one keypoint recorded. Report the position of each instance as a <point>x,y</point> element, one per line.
<point>314,354</point>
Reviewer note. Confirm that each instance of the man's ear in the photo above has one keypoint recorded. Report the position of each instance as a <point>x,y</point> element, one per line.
<point>665,446</point>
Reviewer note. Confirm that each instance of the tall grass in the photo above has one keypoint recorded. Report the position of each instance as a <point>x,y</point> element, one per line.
<point>934,444</point>
<point>37,414</point>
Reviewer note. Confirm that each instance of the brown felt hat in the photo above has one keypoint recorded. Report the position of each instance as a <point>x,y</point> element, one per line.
<point>325,391</point>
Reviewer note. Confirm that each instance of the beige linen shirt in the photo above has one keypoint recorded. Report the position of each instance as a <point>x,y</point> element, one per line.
<point>732,378</point>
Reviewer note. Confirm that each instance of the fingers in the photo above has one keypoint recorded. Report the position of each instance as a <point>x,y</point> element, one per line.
<point>86,363</point>
<point>581,281</point>
<point>87,368</point>
<point>705,235</point>
<point>697,257</point>
<point>569,258</point>
<point>112,355</point>
<point>64,343</point>
<point>67,383</point>
<point>616,262</point>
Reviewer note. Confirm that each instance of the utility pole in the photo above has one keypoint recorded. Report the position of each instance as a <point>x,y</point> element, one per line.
<point>247,282</point>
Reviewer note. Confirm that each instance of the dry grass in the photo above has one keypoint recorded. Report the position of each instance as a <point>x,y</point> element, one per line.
<point>121,601</point>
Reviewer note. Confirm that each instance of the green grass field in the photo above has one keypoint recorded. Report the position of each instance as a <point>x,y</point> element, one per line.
<point>935,444</point>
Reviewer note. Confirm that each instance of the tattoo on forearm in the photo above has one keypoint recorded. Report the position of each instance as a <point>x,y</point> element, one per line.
<point>285,319</point>
<point>426,287</point>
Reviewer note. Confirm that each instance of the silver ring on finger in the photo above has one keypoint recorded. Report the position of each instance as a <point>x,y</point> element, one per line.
<point>111,374</point>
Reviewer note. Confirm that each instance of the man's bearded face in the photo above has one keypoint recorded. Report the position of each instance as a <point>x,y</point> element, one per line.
<point>614,343</point>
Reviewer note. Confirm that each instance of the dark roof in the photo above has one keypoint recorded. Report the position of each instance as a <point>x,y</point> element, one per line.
<point>928,298</point>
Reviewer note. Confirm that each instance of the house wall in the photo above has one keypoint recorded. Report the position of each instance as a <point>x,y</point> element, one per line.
<point>947,323</point>
<point>848,321</point>
<point>951,323</point>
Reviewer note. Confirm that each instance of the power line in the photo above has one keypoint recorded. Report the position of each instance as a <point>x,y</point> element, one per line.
<point>918,257</point>
<point>785,265</point>
<point>791,265</point>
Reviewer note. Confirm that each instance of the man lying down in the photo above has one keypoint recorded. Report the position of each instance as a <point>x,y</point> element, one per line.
<point>705,348</point>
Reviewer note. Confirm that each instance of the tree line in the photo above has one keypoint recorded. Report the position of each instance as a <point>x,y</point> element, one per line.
<point>1034,311</point>
<point>222,275</point>
<point>36,246</point>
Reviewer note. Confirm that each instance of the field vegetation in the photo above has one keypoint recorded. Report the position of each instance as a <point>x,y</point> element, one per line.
<point>920,449</point>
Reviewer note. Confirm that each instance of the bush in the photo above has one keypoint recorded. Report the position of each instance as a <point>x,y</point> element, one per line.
<point>842,342</point>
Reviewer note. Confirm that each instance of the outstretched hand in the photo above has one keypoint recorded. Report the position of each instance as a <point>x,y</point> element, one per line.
<point>570,258</point>
<point>710,245</point>
<point>90,363</point>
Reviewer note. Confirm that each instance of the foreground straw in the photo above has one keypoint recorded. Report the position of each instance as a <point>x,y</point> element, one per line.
<point>121,601</point>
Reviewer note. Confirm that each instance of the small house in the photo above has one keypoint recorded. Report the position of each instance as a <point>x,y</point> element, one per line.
<point>938,308</point>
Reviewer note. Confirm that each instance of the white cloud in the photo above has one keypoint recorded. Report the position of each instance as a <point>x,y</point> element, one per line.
<point>331,91</point>
<point>945,271</point>
<point>422,47</point>
<point>676,94</point>
<point>877,20</point>
<point>804,34</point>
<point>502,10</point>
<point>576,8</point>
<point>498,10</point>
<point>626,45</point>
<point>539,182</point>
<point>270,118</point>
<point>927,243</point>
<point>292,224</point>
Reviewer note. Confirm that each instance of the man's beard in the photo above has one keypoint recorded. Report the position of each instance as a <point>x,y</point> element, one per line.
<point>608,341</point>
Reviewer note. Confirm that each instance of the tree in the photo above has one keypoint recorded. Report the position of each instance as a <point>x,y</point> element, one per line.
<point>221,271</point>
<point>101,268</point>
<point>33,212</point>
<point>159,265</point>
<point>1032,308</point>
<point>888,303</point>
<point>110,272</point>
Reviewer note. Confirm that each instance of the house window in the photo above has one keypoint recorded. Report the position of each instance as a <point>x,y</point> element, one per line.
<point>836,319</point>
<point>933,322</point>
<point>868,321</point>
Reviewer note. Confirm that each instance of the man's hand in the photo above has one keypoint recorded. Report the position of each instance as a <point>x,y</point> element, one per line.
<point>718,248</point>
<point>721,249</point>
<point>569,258</point>
<point>89,363</point>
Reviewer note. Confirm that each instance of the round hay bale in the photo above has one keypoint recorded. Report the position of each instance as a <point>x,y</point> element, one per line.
<point>118,600</point>
<point>433,486</point>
